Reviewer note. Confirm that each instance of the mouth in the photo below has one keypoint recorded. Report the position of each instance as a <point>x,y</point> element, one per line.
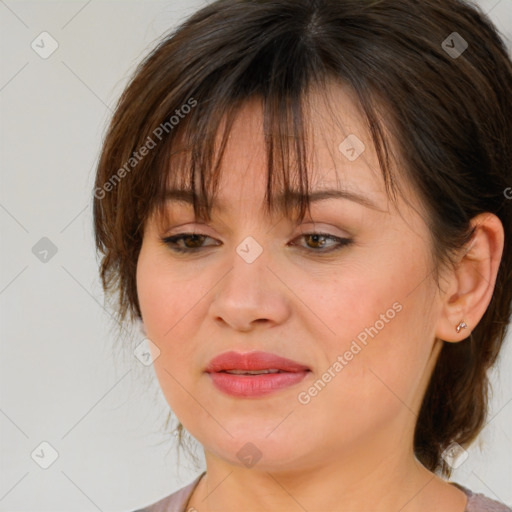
<point>254,374</point>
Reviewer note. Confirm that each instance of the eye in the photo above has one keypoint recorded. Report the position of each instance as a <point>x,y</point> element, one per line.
<point>319,241</point>
<point>315,242</point>
<point>192,242</point>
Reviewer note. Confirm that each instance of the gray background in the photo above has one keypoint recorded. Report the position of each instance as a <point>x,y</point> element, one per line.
<point>60,382</point>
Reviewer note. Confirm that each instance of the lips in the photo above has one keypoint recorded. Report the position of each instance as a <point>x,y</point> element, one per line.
<point>254,374</point>
<point>253,362</point>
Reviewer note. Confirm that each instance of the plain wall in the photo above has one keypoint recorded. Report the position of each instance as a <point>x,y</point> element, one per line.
<point>60,382</point>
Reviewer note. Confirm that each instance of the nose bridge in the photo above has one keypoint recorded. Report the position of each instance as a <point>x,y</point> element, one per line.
<point>248,275</point>
<point>249,291</point>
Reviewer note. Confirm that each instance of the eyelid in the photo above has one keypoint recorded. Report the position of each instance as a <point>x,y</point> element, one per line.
<point>340,242</point>
<point>327,229</point>
<point>317,228</point>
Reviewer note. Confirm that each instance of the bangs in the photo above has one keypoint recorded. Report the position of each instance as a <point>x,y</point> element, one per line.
<point>189,165</point>
<point>278,66</point>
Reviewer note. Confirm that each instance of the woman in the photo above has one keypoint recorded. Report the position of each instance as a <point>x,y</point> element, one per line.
<point>305,205</point>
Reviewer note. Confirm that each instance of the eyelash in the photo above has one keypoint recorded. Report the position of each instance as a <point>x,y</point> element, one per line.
<point>171,242</point>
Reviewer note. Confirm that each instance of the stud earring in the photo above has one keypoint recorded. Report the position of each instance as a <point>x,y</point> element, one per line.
<point>461,326</point>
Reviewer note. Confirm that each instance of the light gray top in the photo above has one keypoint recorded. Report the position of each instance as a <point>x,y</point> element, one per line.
<point>177,501</point>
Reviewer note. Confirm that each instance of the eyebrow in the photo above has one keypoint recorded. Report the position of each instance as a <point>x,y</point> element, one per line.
<point>292,197</point>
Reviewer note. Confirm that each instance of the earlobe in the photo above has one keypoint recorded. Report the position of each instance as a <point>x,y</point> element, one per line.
<point>472,280</point>
<point>462,325</point>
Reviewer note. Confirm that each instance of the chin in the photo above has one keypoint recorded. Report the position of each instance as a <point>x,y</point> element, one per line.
<point>251,447</point>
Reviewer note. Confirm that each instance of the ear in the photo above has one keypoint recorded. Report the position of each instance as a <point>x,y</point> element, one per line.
<point>470,284</point>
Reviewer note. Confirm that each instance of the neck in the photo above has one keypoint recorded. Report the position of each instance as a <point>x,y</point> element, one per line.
<point>387,484</point>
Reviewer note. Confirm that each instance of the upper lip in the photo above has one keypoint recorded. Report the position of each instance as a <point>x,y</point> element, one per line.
<point>253,361</point>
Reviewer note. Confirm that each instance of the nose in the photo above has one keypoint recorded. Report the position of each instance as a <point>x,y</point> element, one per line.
<point>250,294</point>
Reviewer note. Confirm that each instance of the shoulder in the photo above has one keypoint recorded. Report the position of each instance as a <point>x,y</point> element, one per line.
<point>478,502</point>
<point>175,502</point>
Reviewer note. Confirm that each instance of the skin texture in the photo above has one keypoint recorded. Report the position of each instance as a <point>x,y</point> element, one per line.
<point>350,446</point>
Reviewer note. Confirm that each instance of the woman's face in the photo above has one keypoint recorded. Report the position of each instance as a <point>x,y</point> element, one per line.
<point>360,316</point>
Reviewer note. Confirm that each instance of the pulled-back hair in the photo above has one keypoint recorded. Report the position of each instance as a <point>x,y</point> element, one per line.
<point>432,79</point>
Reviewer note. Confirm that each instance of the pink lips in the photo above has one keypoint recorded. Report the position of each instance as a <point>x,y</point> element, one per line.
<point>244,384</point>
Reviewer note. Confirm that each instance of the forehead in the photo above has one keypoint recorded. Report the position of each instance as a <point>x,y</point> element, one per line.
<point>339,154</point>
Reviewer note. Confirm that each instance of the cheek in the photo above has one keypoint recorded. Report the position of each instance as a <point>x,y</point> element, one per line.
<point>164,311</point>
<point>167,298</point>
<point>379,325</point>
<point>172,305</point>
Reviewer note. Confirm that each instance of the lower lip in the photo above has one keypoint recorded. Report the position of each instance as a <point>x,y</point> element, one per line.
<point>255,385</point>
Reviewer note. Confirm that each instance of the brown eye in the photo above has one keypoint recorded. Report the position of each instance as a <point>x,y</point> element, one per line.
<point>318,242</point>
<point>315,242</point>
<point>191,242</point>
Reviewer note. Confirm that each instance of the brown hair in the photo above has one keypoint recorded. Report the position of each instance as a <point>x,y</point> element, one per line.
<point>437,68</point>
